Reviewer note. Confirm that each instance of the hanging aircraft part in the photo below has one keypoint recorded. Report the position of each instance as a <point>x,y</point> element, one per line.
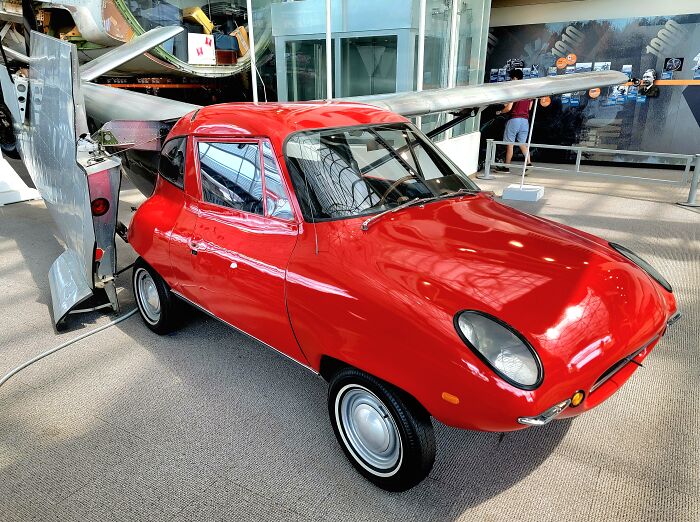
<point>78,180</point>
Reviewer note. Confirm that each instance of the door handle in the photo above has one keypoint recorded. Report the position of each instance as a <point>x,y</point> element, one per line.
<point>233,265</point>
<point>194,247</point>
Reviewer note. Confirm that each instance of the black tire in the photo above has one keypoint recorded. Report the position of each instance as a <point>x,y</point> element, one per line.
<point>165,320</point>
<point>395,410</point>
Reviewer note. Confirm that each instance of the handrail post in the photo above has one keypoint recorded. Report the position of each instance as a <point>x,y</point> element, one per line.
<point>578,160</point>
<point>487,161</point>
<point>686,171</point>
<point>693,193</point>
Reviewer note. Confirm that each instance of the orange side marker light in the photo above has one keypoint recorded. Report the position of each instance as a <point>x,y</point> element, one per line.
<point>448,397</point>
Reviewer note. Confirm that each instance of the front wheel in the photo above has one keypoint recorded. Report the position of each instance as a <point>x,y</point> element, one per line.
<point>155,301</point>
<point>385,434</point>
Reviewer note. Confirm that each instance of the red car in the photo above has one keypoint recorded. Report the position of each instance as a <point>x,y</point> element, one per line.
<point>342,237</point>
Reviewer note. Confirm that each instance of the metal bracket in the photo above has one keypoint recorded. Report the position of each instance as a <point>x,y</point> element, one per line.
<point>459,117</point>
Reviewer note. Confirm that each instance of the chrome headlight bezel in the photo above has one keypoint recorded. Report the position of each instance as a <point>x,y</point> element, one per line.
<point>643,264</point>
<point>488,362</point>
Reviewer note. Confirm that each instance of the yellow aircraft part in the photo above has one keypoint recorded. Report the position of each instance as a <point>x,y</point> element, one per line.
<point>196,14</point>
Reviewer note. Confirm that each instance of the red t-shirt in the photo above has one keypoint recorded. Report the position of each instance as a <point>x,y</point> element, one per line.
<point>521,109</point>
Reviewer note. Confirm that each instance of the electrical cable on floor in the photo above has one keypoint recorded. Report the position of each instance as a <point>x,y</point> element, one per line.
<point>67,343</point>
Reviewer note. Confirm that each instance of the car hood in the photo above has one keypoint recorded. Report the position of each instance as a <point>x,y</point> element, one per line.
<point>567,292</point>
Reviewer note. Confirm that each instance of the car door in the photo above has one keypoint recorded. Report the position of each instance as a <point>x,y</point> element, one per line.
<point>244,236</point>
<point>176,169</point>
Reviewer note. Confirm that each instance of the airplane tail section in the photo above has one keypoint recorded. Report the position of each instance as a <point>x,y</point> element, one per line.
<point>80,186</point>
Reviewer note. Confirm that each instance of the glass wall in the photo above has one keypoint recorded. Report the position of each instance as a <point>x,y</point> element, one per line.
<point>374,48</point>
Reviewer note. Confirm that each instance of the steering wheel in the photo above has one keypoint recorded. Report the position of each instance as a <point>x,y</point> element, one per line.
<point>392,188</point>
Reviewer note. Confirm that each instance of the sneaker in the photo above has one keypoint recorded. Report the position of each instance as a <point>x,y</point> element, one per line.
<point>501,169</point>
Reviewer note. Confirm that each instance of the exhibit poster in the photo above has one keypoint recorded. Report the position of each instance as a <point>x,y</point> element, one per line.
<point>622,120</point>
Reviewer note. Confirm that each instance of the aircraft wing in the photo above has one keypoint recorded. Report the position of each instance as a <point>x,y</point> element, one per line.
<point>127,52</point>
<point>105,104</point>
<point>411,104</point>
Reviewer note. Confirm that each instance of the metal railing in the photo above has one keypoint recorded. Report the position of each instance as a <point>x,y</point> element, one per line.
<point>687,159</point>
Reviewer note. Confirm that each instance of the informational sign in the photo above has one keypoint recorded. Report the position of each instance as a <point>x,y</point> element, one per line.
<point>201,50</point>
<point>561,63</point>
<point>552,71</point>
<point>627,69</point>
<point>602,66</point>
<point>584,67</point>
<point>594,93</point>
<point>570,59</point>
<point>546,101</point>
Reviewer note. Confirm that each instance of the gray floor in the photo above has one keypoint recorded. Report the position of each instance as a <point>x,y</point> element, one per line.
<point>205,424</point>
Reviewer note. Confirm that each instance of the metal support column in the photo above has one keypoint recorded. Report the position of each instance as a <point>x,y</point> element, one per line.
<point>251,50</point>
<point>529,141</point>
<point>329,56</point>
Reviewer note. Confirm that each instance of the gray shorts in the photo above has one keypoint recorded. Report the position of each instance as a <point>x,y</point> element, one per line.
<point>516,130</point>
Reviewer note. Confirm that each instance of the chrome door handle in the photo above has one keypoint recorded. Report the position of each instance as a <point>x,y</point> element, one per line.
<point>194,247</point>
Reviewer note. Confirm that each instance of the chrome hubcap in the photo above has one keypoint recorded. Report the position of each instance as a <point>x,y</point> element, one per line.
<point>147,296</point>
<point>369,430</point>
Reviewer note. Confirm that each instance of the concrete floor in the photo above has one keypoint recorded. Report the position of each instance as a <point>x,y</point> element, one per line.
<point>205,424</point>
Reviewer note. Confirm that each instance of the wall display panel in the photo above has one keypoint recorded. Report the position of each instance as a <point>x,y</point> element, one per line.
<point>617,118</point>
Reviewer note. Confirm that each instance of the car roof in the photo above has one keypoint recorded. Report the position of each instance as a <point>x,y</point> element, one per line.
<point>278,120</point>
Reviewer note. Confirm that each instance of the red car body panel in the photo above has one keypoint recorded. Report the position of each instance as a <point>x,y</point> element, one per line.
<point>384,300</point>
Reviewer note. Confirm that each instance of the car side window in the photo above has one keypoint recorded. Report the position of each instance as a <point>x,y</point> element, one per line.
<point>172,161</point>
<point>276,197</point>
<point>231,175</point>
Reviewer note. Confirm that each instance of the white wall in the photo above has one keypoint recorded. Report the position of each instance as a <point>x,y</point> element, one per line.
<point>463,150</point>
<point>589,10</point>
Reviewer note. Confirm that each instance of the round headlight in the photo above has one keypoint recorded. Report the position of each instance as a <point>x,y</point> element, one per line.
<point>653,272</point>
<point>501,347</point>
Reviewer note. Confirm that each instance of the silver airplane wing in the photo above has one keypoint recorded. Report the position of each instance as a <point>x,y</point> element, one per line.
<point>411,104</point>
<point>127,52</point>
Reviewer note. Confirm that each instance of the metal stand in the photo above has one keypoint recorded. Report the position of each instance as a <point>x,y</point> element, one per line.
<point>693,193</point>
<point>525,192</point>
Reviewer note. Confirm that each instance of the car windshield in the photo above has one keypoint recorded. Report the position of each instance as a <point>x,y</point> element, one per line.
<point>359,171</point>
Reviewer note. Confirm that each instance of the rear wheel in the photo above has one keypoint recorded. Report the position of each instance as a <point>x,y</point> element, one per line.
<point>156,304</point>
<point>385,434</point>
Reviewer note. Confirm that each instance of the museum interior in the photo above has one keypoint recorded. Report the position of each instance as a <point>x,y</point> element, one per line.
<point>432,260</point>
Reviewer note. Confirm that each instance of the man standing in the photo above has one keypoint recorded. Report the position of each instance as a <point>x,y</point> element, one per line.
<point>518,126</point>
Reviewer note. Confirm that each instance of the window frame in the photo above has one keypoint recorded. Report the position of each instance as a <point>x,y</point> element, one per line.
<point>184,167</point>
<point>259,142</point>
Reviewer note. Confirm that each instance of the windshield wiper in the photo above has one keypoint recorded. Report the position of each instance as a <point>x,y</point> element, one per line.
<point>415,201</point>
<point>460,192</point>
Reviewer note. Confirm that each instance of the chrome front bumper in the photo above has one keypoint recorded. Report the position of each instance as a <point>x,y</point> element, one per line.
<point>545,417</point>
